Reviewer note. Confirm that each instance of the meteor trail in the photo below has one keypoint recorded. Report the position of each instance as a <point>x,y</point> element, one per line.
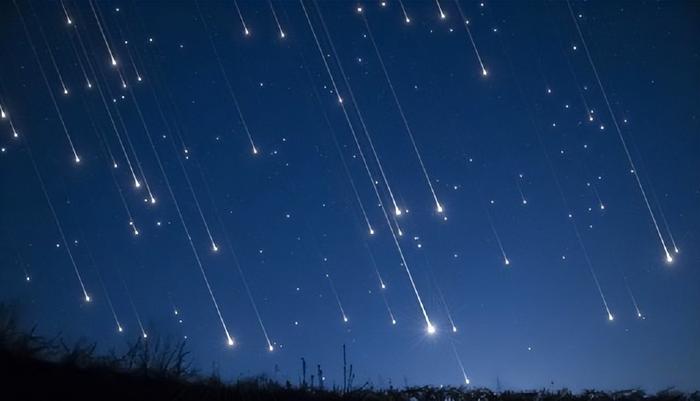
<point>170,134</point>
<point>630,161</point>
<point>133,308</point>
<point>240,16</point>
<point>5,115</point>
<point>520,189</point>
<point>86,297</point>
<point>442,14</point>
<point>438,206</point>
<point>471,38</point>
<point>593,188</point>
<point>232,94</point>
<point>337,298</point>
<point>447,309</point>
<point>634,300</point>
<point>103,141</point>
<point>407,19</point>
<point>69,21</point>
<point>388,309</point>
<point>104,289</point>
<point>459,362</point>
<point>236,262</point>
<point>397,210</point>
<point>229,339</point>
<point>113,61</point>
<point>76,158</point>
<point>555,177</point>
<point>430,328</point>
<point>277,20</point>
<point>370,229</point>
<point>506,261</point>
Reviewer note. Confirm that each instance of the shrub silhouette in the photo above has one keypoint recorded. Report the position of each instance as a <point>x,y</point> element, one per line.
<point>36,368</point>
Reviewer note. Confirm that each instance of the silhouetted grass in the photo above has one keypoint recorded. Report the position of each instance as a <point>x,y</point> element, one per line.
<point>36,368</point>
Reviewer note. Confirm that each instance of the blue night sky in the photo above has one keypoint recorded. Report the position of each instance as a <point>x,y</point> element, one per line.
<point>521,172</point>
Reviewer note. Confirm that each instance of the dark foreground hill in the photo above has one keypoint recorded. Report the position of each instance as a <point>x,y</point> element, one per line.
<point>35,368</point>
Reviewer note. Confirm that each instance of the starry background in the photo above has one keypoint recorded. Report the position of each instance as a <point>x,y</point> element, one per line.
<point>290,212</point>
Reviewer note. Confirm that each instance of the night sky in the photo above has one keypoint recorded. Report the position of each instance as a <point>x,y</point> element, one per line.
<point>542,161</point>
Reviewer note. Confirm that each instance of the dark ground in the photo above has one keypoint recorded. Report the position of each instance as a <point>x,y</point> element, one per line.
<point>36,368</point>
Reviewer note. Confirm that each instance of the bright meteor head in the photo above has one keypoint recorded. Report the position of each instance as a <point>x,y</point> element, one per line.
<point>431,329</point>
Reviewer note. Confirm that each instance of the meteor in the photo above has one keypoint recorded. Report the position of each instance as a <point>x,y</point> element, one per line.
<point>397,210</point>
<point>634,300</point>
<point>43,75</point>
<point>442,14</point>
<point>407,19</point>
<point>182,219</point>
<point>277,21</point>
<point>471,38</point>
<point>246,32</point>
<point>340,155</point>
<point>630,161</point>
<point>402,114</point>
<point>113,61</point>
<point>86,297</point>
<point>447,309</point>
<point>232,94</point>
<point>429,325</point>
<point>506,261</point>
<point>459,362</point>
<point>337,298</point>
<point>520,189</point>
<point>133,308</point>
